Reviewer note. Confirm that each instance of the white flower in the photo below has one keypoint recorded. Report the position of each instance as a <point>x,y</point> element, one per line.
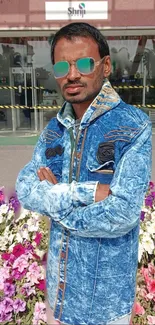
<point>146,209</point>
<point>35,215</point>
<point>1,218</point>
<point>7,231</point>
<point>151,228</point>
<point>25,234</point>
<point>11,237</point>
<point>147,243</point>
<point>4,209</point>
<point>39,253</point>
<point>153,216</point>
<point>140,251</point>
<point>24,213</point>
<point>3,243</point>
<point>34,244</point>
<point>19,238</point>
<point>11,247</point>
<point>10,214</point>
<point>33,225</point>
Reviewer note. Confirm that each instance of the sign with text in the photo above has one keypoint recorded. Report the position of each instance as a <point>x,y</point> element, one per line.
<point>75,10</point>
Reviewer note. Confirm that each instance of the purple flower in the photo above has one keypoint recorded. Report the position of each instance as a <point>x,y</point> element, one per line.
<point>27,290</point>
<point>142,216</point>
<point>149,201</point>
<point>14,202</point>
<point>7,305</point>
<point>153,194</point>
<point>5,316</point>
<point>19,305</point>
<point>9,289</point>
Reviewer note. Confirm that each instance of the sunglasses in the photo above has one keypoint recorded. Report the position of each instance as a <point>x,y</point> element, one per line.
<point>84,66</point>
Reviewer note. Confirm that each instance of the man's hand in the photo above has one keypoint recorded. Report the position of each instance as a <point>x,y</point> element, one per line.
<point>102,192</point>
<point>44,173</point>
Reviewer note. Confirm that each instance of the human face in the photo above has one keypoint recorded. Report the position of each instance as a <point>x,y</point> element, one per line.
<point>76,87</point>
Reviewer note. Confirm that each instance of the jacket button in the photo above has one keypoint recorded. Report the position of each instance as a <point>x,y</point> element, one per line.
<point>63,255</point>
<point>78,155</point>
<point>61,285</point>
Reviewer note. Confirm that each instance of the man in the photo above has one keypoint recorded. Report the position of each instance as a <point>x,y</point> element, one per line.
<point>89,173</point>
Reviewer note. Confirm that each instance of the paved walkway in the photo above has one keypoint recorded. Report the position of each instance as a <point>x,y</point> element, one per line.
<point>14,157</point>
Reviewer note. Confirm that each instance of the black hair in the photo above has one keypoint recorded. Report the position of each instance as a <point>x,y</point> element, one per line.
<point>84,30</point>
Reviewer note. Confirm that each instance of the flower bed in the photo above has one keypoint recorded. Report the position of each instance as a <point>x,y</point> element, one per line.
<point>23,245</point>
<point>23,242</point>
<point>145,302</point>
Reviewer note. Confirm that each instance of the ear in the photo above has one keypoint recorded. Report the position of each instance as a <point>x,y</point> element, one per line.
<point>106,66</point>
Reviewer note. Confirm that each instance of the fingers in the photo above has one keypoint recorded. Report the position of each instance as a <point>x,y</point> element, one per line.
<point>44,173</point>
<point>40,175</point>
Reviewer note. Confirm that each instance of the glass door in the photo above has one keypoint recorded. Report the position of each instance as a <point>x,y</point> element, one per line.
<point>23,99</point>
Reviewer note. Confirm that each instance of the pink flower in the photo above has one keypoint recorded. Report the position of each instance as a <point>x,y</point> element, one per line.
<point>39,313</point>
<point>38,238</point>
<point>150,296</point>
<point>4,275</point>
<point>151,320</point>
<point>145,273</point>
<point>21,263</point>
<point>151,269</point>
<point>18,250</point>
<point>151,286</point>
<point>27,290</point>
<point>39,307</point>
<point>34,268</point>
<point>138,309</point>
<point>41,285</point>
<point>152,185</point>
<point>18,275</point>
<point>5,256</point>
<point>143,293</point>
<point>34,273</point>
<point>19,305</point>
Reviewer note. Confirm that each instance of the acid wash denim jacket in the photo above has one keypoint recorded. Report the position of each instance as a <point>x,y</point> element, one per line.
<point>92,257</point>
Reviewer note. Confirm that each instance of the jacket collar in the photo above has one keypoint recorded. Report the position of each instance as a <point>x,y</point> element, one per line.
<point>106,99</point>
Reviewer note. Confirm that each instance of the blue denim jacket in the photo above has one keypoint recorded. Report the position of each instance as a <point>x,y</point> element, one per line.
<point>92,258</point>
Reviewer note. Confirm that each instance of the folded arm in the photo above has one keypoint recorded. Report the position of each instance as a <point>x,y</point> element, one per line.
<point>119,212</point>
<point>45,197</point>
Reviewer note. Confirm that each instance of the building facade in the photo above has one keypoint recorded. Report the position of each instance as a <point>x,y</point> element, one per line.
<point>29,95</point>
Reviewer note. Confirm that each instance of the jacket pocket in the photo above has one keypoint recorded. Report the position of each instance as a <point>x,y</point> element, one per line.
<point>100,172</point>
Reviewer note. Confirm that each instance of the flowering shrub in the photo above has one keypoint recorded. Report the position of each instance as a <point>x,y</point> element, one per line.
<point>145,303</point>
<point>23,248</point>
<point>23,245</point>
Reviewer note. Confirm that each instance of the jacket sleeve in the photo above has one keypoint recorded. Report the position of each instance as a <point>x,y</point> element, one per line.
<point>119,212</point>
<point>46,198</point>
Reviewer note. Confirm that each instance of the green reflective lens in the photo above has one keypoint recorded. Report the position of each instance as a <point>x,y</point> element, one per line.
<point>61,69</point>
<point>85,65</point>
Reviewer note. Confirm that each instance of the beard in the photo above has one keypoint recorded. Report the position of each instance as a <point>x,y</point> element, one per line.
<point>80,98</point>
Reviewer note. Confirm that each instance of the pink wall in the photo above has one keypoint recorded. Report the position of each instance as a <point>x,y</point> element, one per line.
<point>121,13</point>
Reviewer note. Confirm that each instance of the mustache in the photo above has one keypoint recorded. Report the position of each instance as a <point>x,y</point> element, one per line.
<point>74,83</point>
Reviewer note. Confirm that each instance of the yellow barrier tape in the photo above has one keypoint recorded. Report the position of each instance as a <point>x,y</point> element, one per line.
<point>43,88</point>
<point>16,88</point>
<point>58,107</point>
<point>28,107</point>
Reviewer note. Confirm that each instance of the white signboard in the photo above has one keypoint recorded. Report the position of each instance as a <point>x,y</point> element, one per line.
<point>76,10</point>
